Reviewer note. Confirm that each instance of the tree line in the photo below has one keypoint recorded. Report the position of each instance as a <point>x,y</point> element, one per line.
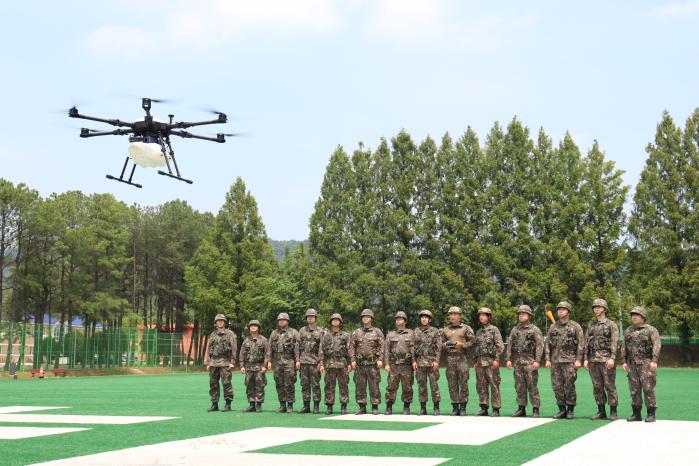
<point>515,218</point>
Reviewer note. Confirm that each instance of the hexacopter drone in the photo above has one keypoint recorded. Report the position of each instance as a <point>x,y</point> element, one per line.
<point>149,140</point>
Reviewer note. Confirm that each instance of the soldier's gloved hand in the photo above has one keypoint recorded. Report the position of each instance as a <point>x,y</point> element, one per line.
<point>379,364</point>
<point>626,367</point>
<point>298,365</point>
<point>577,364</point>
<point>610,364</point>
<point>585,364</point>
<point>536,366</point>
<point>242,370</point>
<point>653,366</point>
<point>269,366</point>
<point>354,365</point>
<point>496,363</point>
<point>435,365</point>
<point>509,364</point>
<point>548,364</point>
<point>387,367</point>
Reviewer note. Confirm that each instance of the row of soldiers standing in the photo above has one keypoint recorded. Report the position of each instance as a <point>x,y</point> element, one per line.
<point>406,354</point>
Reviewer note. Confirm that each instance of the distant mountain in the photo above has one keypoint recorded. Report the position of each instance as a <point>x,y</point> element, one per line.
<point>281,247</point>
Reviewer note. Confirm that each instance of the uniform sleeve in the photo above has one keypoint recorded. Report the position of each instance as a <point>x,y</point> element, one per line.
<point>624,354</point>
<point>243,353</point>
<point>384,349</point>
<point>381,342</point>
<point>413,353</point>
<point>539,345</point>
<point>297,347</point>
<point>438,342</point>
<point>615,341</point>
<point>655,339</point>
<point>234,346</point>
<point>508,351</point>
<point>321,353</point>
<point>499,346</point>
<point>586,347</point>
<point>353,347</point>
<point>547,346</point>
<point>581,342</point>
<point>469,338</point>
<point>268,350</point>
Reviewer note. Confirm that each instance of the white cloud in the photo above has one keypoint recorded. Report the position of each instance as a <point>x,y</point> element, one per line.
<point>120,40</point>
<point>673,10</point>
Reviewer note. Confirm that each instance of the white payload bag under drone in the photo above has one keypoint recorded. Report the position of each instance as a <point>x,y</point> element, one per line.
<point>146,154</point>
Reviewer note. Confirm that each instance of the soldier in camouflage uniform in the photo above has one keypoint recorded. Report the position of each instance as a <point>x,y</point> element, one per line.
<point>399,351</point>
<point>457,337</point>
<point>309,346</point>
<point>428,349</point>
<point>253,365</point>
<point>366,354</point>
<point>489,348</point>
<point>565,342</point>
<point>601,342</point>
<point>524,350</point>
<point>221,355</point>
<point>335,362</point>
<point>283,357</point>
<point>640,354</point>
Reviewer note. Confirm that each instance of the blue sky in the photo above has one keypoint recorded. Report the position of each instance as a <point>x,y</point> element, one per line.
<point>303,76</point>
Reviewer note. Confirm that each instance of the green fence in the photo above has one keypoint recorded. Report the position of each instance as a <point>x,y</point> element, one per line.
<point>51,346</point>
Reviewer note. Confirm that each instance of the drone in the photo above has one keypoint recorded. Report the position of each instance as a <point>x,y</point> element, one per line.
<point>149,140</point>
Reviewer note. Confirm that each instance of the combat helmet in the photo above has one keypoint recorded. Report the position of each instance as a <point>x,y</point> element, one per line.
<point>220,317</point>
<point>254,322</point>
<point>600,302</point>
<point>525,308</point>
<point>640,311</point>
<point>427,313</point>
<point>401,315</point>
<point>283,316</point>
<point>565,305</point>
<point>454,310</point>
<point>336,316</point>
<point>311,312</point>
<point>486,311</point>
<point>367,312</point>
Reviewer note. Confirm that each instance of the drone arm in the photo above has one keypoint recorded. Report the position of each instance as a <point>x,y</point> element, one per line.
<point>86,133</point>
<point>222,118</point>
<point>73,113</point>
<point>187,135</point>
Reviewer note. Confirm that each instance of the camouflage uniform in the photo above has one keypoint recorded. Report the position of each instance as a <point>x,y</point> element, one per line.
<point>601,342</point>
<point>489,347</point>
<point>457,361</point>
<point>283,352</point>
<point>641,347</point>
<point>399,350</point>
<point>223,347</point>
<point>309,345</point>
<point>334,356</point>
<point>564,345</point>
<point>252,359</point>
<point>428,349</point>
<point>524,348</point>
<point>366,348</point>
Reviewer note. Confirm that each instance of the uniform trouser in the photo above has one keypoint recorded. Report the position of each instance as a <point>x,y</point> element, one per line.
<point>310,382</point>
<point>400,374</point>
<point>424,374</point>
<point>603,380</point>
<point>367,375</point>
<point>563,376</point>
<point>526,381</point>
<point>255,382</point>
<point>285,381</point>
<point>339,376</point>
<point>457,377</point>
<point>223,373</point>
<point>641,378</point>
<point>488,377</point>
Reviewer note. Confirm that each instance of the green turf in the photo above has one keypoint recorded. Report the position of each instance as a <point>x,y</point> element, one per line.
<point>185,396</point>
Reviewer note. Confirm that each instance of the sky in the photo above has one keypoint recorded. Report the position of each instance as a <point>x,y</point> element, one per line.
<point>302,77</point>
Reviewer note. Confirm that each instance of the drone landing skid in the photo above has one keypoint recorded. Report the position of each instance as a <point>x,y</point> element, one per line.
<point>121,177</point>
<point>160,172</point>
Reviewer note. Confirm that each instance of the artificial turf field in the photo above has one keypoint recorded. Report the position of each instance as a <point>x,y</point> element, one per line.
<point>185,396</point>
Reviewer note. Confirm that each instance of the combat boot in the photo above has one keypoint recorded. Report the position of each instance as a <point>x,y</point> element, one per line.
<point>258,407</point>
<point>316,407</point>
<point>362,409</point>
<point>282,407</point>
<point>330,408</point>
<point>454,409</point>
<point>227,406</point>
<point>570,412</point>
<point>406,408</point>
<point>612,413</point>
<point>520,412</point>
<point>290,407</point>
<point>535,412</point>
<point>423,409</point>
<point>601,413</point>
<point>561,412</point>
<point>389,409</point>
<point>650,417</point>
<point>374,409</point>
<point>250,408</point>
<point>636,416</point>
<point>483,411</point>
<point>214,407</point>
<point>462,409</point>
<point>496,412</point>
<point>436,408</point>
<point>306,407</point>
<point>343,408</point>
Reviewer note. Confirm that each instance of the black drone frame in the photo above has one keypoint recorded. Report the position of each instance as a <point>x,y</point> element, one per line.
<point>151,129</point>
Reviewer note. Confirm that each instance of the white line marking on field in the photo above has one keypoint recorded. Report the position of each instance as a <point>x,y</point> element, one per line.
<point>14,433</point>
<point>8,414</point>
<point>24,409</point>
<point>632,443</point>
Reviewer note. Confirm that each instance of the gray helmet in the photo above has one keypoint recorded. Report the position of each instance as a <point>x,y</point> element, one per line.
<point>565,305</point>
<point>311,312</point>
<point>283,316</point>
<point>454,310</point>
<point>336,316</point>
<point>600,302</point>
<point>525,308</point>
<point>640,311</point>
<point>401,315</point>
<point>220,317</point>
<point>254,322</point>
<point>486,311</point>
<point>427,313</point>
<point>367,312</point>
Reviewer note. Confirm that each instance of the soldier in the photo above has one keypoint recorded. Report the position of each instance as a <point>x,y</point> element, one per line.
<point>428,349</point>
<point>524,350</point>
<point>223,348</point>
<point>283,355</point>
<point>564,352</point>
<point>366,354</point>
<point>335,362</point>
<point>457,337</point>
<point>309,346</point>
<point>640,354</point>
<point>489,348</point>
<point>399,351</point>
<point>254,366</point>
<point>601,341</point>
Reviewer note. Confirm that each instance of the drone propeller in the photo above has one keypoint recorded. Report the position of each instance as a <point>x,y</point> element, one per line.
<point>124,95</point>
<point>213,111</point>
